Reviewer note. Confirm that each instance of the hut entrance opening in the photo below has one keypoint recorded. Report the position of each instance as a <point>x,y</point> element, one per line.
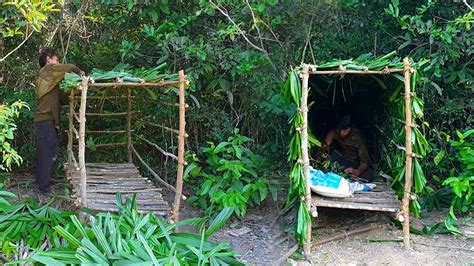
<point>360,96</point>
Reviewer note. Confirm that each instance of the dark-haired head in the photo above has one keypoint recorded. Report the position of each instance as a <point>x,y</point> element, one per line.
<point>344,127</point>
<point>47,52</point>
<point>345,123</point>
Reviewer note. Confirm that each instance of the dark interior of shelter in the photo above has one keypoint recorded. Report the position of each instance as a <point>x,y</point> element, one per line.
<point>360,96</point>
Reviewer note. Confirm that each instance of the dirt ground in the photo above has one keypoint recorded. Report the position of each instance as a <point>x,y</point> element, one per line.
<point>262,237</point>
<point>264,244</point>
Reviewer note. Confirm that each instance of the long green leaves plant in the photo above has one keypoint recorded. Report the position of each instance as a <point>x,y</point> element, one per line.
<point>132,238</point>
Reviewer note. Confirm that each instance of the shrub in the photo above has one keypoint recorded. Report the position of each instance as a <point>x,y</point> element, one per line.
<point>462,181</point>
<point>8,113</point>
<point>232,176</point>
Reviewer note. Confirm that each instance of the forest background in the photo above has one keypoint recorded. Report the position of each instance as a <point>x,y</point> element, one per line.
<point>237,55</point>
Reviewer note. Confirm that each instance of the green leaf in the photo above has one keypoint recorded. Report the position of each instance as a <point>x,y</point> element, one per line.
<point>219,221</point>
<point>47,260</point>
<point>439,157</point>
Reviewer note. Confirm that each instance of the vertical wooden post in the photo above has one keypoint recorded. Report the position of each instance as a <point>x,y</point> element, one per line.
<point>129,125</point>
<point>408,162</point>
<point>70,133</point>
<point>181,140</point>
<point>82,141</point>
<point>304,153</point>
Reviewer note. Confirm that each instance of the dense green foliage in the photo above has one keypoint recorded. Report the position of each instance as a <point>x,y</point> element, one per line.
<point>231,177</point>
<point>8,114</point>
<point>237,55</point>
<point>461,182</point>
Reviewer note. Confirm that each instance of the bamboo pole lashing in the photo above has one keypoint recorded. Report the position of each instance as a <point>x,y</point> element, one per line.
<point>181,139</point>
<point>305,155</point>
<point>82,133</point>
<point>409,158</point>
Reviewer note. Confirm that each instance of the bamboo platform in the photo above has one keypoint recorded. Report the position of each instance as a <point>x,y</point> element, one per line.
<point>104,180</point>
<point>382,198</point>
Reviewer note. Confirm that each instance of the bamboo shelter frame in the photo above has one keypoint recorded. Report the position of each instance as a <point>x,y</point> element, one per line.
<point>80,165</point>
<point>407,70</point>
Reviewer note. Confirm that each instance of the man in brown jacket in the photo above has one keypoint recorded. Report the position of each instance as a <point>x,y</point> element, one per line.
<point>49,99</point>
<point>347,147</point>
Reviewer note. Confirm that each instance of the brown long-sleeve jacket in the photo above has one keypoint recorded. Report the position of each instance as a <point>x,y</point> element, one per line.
<point>48,95</point>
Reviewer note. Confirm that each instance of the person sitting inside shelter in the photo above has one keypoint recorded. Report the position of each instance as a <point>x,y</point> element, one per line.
<point>346,146</point>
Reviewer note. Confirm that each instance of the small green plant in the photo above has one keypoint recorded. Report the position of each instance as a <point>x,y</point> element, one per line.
<point>231,177</point>
<point>8,114</point>
<point>461,182</point>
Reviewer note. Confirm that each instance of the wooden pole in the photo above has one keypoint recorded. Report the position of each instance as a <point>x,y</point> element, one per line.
<point>70,133</point>
<point>82,141</point>
<point>408,162</point>
<point>361,72</point>
<point>129,125</point>
<point>349,233</point>
<point>304,153</point>
<point>132,84</point>
<point>181,139</point>
<point>158,178</point>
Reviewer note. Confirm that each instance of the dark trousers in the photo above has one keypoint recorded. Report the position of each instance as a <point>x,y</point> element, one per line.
<point>46,153</point>
<point>367,175</point>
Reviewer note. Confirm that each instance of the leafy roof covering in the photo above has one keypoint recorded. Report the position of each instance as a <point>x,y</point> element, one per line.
<point>121,73</point>
<point>364,62</point>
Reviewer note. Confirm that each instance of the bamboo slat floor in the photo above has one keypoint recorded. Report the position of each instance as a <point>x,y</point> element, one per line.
<point>382,198</point>
<point>104,180</point>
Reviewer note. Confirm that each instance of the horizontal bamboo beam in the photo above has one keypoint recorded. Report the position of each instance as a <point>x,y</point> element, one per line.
<point>131,84</point>
<point>108,131</point>
<point>107,114</point>
<point>360,72</point>
<point>165,127</point>
<point>105,144</point>
<point>167,103</point>
<point>165,153</point>
<point>161,126</point>
<point>158,178</point>
<point>103,97</point>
